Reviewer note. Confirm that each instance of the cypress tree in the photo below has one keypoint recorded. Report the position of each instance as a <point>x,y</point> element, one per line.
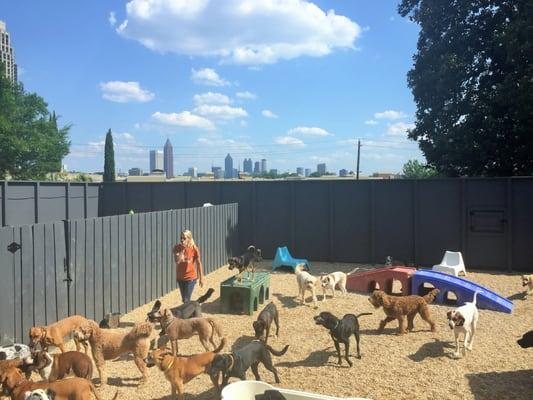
<point>109,158</point>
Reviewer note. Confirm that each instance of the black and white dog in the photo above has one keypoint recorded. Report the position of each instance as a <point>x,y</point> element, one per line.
<point>341,330</point>
<point>464,320</point>
<point>14,351</point>
<point>39,394</point>
<point>246,261</point>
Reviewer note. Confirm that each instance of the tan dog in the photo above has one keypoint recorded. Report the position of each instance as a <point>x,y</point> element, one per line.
<point>52,367</point>
<point>108,345</point>
<point>54,334</point>
<point>16,385</point>
<point>527,280</point>
<point>403,307</point>
<point>180,370</point>
<point>306,282</point>
<point>177,328</point>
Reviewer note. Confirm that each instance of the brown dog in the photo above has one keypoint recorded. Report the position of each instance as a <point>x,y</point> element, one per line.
<point>399,308</point>
<point>68,389</point>
<point>25,366</point>
<point>180,370</point>
<point>177,328</point>
<point>527,282</point>
<point>54,334</point>
<point>108,344</point>
<point>52,367</point>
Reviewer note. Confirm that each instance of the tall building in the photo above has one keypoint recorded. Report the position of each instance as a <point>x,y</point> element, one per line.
<point>257,167</point>
<point>228,167</point>
<point>217,172</point>
<point>156,160</point>
<point>300,171</point>
<point>343,172</point>
<point>7,55</point>
<point>321,169</point>
<point>247,165</point>
<point>307,171</point>
<point>135,171</point>
<point>264,166</point>
<point>193,172</point>
<point>168,161</point>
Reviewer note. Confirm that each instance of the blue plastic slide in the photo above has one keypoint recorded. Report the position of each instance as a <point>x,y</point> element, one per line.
<point>463,289</point>
<point>284,259</point>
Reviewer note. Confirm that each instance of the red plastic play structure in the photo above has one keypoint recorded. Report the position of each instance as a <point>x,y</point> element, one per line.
<point>382,278</point>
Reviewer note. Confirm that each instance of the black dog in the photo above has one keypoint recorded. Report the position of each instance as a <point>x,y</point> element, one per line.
<point>190,309</point>
<point>264,320</point>
<point>237,363</point>
<point>526,341</point>
<point>341,330</point>
<point>246,261</point>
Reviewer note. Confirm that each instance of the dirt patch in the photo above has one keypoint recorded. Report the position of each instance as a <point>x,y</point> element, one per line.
<point>418,365</point>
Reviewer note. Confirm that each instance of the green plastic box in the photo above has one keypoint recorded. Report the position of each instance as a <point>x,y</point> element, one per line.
<point>245,296</point>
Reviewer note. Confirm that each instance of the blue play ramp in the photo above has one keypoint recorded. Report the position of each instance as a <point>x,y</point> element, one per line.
<point>462,288</point>
<point>284,259</point>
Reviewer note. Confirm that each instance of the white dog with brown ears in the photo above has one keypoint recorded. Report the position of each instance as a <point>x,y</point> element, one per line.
<point>464,320</point>
<point>306,282</point>
<point>335,279</point>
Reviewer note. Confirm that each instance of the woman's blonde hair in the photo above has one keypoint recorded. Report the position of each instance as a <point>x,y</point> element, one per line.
<point>188,235</point>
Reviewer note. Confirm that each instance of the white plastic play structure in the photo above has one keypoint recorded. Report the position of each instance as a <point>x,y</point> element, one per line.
<point>452,263</point>
<point>247,390</point>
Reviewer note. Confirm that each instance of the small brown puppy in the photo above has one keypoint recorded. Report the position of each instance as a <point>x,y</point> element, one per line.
<point>54,334</point>
<point>177,328</point>
<point>68,389</point>
<point>527,280</point>
<point>403,307</point>
<point>56,366</point>
<point>180,370</point>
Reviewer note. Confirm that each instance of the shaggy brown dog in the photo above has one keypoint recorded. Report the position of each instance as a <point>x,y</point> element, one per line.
<point>180,370</point>
<point>107,345</point>
<point>177,328</point>
<point>399,308</point>
<point>68,389</point>
<point>54,334</point>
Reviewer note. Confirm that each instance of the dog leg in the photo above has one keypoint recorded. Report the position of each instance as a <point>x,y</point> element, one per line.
<point>62,347</point>
<point>401,325</point>
<point>205,343</point>
<point>338,348</point>
<point>102,374</point>
<point>357,339</point>
<point>174,346</point>
<point>180,391</point>
<point>267,362</point>
<point>173,391</point>
<point>255,371</point>
<point>457,354</point>
<point>276,321</point>
<point>267,333</point>
<point>323,294</point>
<point>139,362</point>
<point>410,321</point>
<point>384,322</point>
<point>347,352</point>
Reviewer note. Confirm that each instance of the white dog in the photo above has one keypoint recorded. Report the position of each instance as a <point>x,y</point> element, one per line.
<point>329,281</point>
<point>306,281</point>
<point>10,352</point>
<point>39,394</point>
<point>464,320</point>
<point>527,280</point>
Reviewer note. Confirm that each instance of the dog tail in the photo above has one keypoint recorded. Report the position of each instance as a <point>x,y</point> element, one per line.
<point>428,298</point>
<point>475,297</point>
<point>141,330</point>
<point>205,296</point>
<point>299,268</point>
<point>216,328</point>
<point>221,345</point>
<point>353,270</point>
<point>364,313</point>
<point>276,352</point>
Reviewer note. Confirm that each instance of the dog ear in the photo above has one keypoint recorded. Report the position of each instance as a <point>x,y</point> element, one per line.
<point>449,314</point>
<point>251,249</point>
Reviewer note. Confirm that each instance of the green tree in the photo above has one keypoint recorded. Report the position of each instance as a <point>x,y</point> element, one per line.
<point>31,144</point>
<point>473,86</point>
<point>416,170</point>
<point>109,158</point>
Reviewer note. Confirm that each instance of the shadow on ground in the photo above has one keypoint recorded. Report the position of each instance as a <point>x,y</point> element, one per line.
<point>432,350</point>
<point>287,301</point>
<point>517,296</point>
<point>514,385</point>
<point>318,358</point>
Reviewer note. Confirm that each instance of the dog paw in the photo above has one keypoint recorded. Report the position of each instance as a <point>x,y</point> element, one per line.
<point>456,355</point>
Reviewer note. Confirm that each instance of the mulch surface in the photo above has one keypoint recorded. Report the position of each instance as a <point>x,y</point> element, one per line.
<point>417,365</point>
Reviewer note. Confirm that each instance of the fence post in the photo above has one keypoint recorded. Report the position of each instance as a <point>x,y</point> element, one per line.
<point>67,202</point>
<point>509,225</point>
<point>36,202</point>
<point>85,199</point>
<point>415,220</point>
<point>331,205</point>
<point>4,203</point>
<point>373,222</point>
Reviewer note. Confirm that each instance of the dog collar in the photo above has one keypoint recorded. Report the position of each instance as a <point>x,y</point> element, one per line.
<point>338,322</point>
<point>232,359</point>
<point>169,365</point>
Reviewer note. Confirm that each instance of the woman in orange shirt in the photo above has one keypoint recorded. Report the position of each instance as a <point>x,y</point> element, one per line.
<point>189,267</point>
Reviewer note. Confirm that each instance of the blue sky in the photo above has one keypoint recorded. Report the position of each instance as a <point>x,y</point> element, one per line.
<point>292,81</point>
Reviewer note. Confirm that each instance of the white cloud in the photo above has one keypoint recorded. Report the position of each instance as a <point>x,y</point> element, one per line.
<point>207,76</point>
<point>289,140</point>
<point>221,111</point>
<point>246,95</point>
<point>390,114</point>
<point>310,131</point>
<point>184,119</point>
<point>112,19</point>
<point>268,114</point>
<point>371,122</point>
<point>128,137</point>
<point>238,31</point>
<point>211,98</point>
<point>399,128</point>
<point>244,124</point>
<point>125,92</point>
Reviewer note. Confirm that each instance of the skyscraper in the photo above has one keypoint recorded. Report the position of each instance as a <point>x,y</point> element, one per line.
<point>156,160</point>
<point>300,171</point>
<point>228,167</point>
<point>168,162</point>
<point>264,166</point>
<point>247,165</point>
<point>7,55</point>
<point>321,169</point>
<point>257,167</point>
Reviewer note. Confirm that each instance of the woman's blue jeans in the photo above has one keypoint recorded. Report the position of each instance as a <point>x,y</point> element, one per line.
<point>186,288</point>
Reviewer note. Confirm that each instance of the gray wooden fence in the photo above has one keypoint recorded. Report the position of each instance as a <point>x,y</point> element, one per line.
<point>99,265</point>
